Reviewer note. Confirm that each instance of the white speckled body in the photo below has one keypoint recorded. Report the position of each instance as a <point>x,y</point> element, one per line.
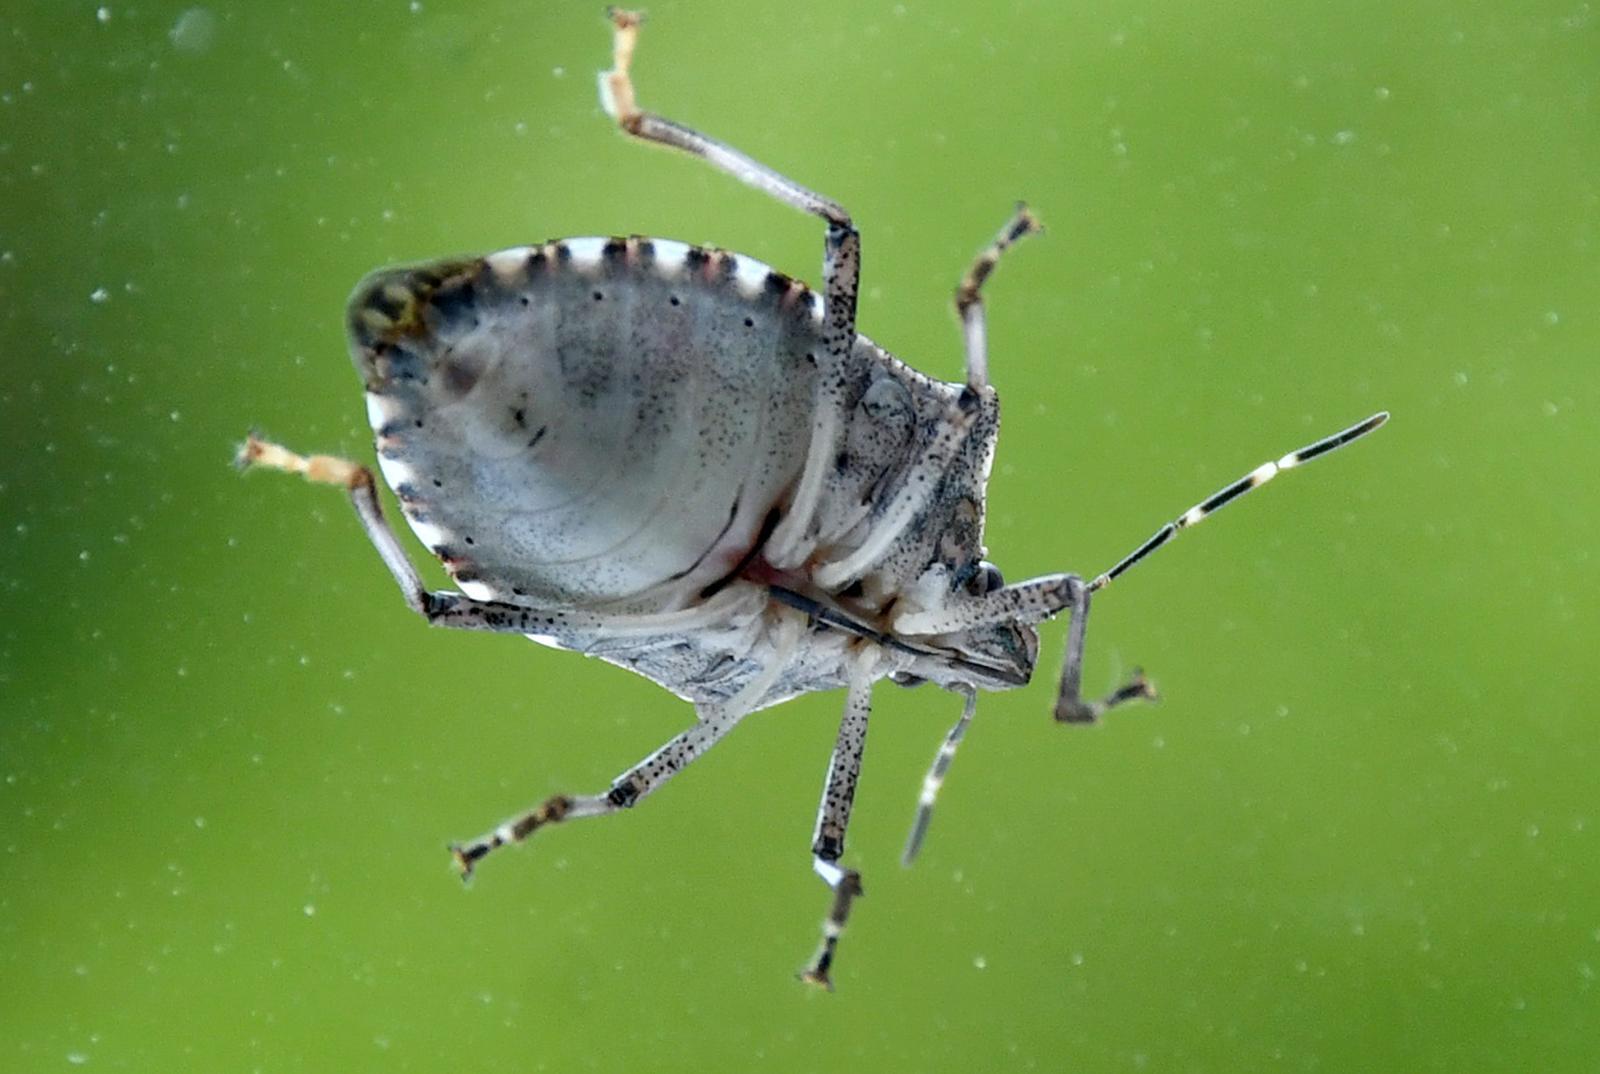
<point>616,426</point>
<point>684,463</point>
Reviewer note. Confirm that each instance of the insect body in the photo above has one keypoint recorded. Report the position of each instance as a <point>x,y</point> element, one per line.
<point>690,465</point>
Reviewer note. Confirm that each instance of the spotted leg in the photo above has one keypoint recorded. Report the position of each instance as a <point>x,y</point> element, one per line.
<point>644,778</point>
<point>833,815</point>
<point>568,628</point>
<point>969,297</point>
<point>713,722</point>
<point>792,541</point>
<point>456,610</point>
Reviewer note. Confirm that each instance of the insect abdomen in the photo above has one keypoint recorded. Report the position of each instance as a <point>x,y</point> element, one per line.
<point>589,421</point>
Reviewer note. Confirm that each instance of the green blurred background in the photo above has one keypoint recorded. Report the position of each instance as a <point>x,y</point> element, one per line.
<point>1361,831</point>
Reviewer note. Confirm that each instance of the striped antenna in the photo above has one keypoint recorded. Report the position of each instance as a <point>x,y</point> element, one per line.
<point>1254,479</point>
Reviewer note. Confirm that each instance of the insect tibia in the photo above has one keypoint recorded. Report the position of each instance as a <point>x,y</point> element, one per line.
<point>1026,604</point>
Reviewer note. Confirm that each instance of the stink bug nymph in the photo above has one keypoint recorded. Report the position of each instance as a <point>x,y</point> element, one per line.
<point>690,465</point>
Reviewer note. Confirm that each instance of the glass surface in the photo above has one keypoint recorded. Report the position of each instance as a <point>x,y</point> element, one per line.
<point>1360,831</point>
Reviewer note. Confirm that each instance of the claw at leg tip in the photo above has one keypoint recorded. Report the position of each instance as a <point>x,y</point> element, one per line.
<point>463,863</point>
<point>817,978</point>
<point>248,452</point>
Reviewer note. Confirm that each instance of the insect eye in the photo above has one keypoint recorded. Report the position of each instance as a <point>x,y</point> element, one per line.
<point>986,579</point>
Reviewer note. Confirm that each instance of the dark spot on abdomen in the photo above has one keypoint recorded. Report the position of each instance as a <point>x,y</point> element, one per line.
<point>460,374</point>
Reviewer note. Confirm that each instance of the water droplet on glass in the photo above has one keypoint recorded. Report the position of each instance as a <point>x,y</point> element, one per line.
<point>193,31</point>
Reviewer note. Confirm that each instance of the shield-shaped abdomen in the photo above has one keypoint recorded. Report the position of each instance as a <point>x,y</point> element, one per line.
<point>592,422</point>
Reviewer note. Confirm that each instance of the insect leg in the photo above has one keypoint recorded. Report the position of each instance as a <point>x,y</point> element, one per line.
<point>572,629</point>
<point>841,270</point>
<point>626,790</point>
<point>1221,498</point>
<point>935,777</point>
<point>1025,603</point>
<point>1070,705</point>
<point>969,302</point>
<point>644,778</point>
<point>617,97</point>
<point>358,481</point>
<point>833,815</point>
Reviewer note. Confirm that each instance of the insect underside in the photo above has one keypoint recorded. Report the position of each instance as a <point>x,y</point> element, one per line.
<point>694,467</point>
